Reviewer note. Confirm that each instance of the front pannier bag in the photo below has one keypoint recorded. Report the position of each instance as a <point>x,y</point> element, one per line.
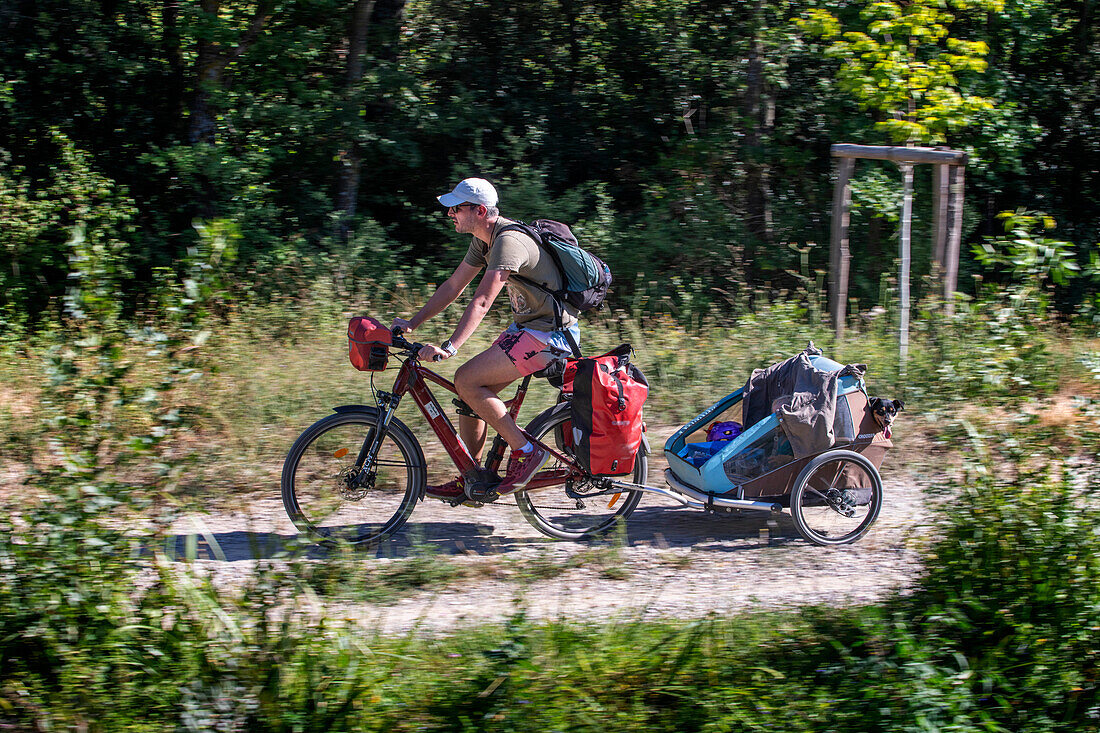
<point>368,344</point>
<point>608,395</point>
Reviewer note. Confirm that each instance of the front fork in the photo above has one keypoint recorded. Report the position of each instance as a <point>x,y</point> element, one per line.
<point>387,406</point>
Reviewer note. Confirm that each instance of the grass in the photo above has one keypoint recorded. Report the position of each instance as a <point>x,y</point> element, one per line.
<point>342,576</point>
<point>271,370</point>
<point>1000,632</point>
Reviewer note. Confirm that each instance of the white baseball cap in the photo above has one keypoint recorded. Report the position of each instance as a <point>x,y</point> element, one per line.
<point>471,190</point>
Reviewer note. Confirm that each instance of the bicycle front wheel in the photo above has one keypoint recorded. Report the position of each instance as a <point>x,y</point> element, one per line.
<point>556,513</point>
<point>328,496</point>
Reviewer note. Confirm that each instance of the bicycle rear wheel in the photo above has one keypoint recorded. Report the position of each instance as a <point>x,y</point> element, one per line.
<point>555,513</point>
<point>326,494</point>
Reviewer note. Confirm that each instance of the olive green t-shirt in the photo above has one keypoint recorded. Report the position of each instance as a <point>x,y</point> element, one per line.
<point>516,252</point>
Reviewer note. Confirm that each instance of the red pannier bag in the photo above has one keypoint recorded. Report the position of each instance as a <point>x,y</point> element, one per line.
<point>608,395</point>
<point>368,344</point>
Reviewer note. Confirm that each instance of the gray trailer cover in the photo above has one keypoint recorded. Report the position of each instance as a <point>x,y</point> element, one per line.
<point>803,397</point>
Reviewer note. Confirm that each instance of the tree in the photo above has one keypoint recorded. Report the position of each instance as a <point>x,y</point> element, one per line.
<point>223,33</point>
<point>905,66</point>
<point>384,17</point>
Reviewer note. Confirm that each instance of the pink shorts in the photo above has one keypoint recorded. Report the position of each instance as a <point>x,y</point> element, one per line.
<point>527,352</point>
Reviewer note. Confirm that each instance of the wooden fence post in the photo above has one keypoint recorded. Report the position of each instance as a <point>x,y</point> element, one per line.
<point>839,255</point>
<point>905,246</point>
<point>939,217</point>
<point>954,237</point>
<point>949,166</point>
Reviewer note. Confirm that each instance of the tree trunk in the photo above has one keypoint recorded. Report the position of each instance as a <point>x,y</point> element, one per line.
<point>759,114</point>
<point>378,16</point>
<point>350,158</point>
<point>211,59</point>
<point>173,51</point>
<point>207,75</point>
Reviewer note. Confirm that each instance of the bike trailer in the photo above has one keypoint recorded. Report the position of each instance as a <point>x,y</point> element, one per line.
<point>764,460</point>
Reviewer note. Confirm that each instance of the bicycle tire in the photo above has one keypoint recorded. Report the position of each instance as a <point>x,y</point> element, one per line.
<point>826,508</point>
<point>562,522</point>
<point>315,489</point>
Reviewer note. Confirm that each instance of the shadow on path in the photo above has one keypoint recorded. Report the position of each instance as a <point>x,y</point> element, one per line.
<point>661,526</point>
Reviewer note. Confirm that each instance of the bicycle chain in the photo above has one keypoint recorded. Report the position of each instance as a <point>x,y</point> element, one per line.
<point>573,507</point>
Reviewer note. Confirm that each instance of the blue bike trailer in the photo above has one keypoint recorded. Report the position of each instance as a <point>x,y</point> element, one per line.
<point>759,462</point>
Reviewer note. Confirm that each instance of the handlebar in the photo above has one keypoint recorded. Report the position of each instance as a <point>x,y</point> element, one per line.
<point>405,345</point>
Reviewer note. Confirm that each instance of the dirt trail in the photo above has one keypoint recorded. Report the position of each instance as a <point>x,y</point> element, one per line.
<point>676,562</point>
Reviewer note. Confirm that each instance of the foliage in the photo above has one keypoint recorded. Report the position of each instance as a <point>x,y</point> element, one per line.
<point>37,220</point>
<point>102,615</point>
<point>177,255</point>
<point>696,132</point>
<point>906,67</point>
<point>1035,263</point>
<point>998,633</point>
<point>1013,586</point>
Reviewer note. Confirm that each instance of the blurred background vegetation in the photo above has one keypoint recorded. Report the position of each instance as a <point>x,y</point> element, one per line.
<point>193,197</point>
<point>683,136</point>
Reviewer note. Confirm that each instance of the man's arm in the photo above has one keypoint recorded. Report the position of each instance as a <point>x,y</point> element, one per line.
<point>487,290</point>
<point>444,295</point>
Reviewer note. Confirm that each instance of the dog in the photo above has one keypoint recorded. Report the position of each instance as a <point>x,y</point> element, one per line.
<point>884,411</point>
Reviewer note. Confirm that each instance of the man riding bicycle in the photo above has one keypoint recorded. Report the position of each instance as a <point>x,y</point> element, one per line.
<point>531,343</point>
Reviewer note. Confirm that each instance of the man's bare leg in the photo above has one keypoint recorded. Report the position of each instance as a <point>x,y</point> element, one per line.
<point>476,380</point>
<point>473,429</point>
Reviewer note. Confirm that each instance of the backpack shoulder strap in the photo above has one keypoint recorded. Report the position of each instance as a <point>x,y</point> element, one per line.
<point>519,226</point>
<point>534,234</point>
<point>555,295</point>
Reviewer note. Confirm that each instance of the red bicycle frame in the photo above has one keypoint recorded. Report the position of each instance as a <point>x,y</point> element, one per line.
<point>412,379</point>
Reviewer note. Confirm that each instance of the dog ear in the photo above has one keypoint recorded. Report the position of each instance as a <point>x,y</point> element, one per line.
<point>899,405</point>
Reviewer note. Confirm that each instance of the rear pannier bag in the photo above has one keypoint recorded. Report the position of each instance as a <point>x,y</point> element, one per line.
<point>368,344</point>
<point>608,395</point>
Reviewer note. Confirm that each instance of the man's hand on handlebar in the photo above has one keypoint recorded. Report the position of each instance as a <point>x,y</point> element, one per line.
<point>432,353</point>
<point>427,352</point>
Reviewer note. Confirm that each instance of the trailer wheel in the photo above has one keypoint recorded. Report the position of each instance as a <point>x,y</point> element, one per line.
<point>836,498</point>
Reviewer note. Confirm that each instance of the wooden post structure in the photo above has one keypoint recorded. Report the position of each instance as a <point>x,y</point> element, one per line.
<point>954,234</point>
<point>947,208</point>
<point>906,258</point>
<point>839,256</point>
<point>939,217</point>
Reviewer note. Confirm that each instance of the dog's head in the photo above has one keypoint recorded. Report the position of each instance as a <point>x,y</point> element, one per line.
<point>885,411</point>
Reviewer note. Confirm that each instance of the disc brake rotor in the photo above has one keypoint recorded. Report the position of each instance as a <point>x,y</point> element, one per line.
<point>350,488</point>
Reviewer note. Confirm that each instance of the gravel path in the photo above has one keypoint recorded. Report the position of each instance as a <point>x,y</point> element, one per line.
<point>676,562</point>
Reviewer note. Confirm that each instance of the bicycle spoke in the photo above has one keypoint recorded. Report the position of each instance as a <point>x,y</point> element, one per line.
<point>563,502</point>
<point>837,498</point>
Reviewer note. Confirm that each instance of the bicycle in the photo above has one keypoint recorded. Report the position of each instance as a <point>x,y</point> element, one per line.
<point>357,475</point>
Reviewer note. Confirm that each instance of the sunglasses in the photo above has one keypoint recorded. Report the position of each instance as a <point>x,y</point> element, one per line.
<point>456,207</point>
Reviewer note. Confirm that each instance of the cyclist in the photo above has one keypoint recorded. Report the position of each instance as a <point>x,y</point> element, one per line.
<point>528,345</point>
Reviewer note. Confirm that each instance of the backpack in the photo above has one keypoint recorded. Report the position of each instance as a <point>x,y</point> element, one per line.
<point>606,411</point>
<point>585,277</point>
